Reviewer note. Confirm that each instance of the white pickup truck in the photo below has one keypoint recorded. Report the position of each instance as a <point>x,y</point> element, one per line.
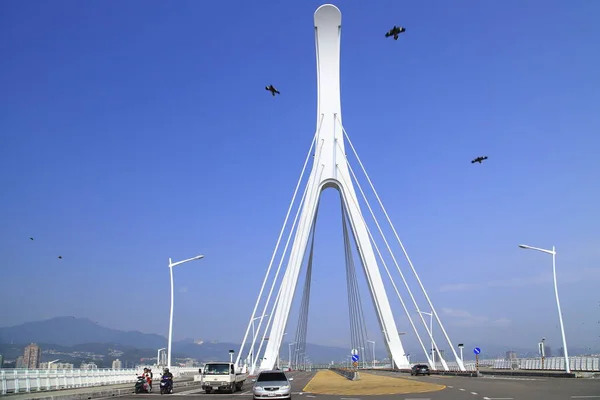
<point>222,376</point>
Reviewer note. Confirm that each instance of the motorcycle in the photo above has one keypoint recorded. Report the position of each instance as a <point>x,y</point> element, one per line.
<point>166,385</point>
<point>141,385</point>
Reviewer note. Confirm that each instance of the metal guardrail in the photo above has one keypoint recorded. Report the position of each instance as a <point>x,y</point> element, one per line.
<point>347,373</point>
<point>37,380</point>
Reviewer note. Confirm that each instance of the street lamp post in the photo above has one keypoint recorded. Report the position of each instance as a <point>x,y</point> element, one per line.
<point>363,359</point>
<point>171,265</point>
<point>290,355</point>
<point>373,343</point>
<point>158,355</point>
<point>254,338</point>
<point>278,350</point>
<point>431,333</point>
<point>460,347</point>
<point>562,327</point>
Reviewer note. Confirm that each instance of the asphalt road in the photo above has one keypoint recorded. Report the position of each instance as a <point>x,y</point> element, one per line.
<point>457,388</point>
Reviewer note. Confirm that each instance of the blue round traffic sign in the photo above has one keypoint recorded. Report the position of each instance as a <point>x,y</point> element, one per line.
<point>355,357</point>
<point>476,350</point>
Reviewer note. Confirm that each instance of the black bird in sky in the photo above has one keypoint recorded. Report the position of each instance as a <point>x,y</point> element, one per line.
<point>395,31</point>
<point>60,257</point>
<point>479,160</point>
<point>272,89</point>
<point>31,238</point>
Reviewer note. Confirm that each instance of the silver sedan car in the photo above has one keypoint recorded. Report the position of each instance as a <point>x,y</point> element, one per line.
<point>272,385</point>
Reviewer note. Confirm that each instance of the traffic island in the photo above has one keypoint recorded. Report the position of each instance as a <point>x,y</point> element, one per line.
<point>329,382</point>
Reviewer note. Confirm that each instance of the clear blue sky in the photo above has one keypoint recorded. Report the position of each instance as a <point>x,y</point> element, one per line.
<point>131,132</point>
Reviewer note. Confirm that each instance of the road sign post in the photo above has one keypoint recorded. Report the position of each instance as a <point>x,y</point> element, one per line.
<point>542,351</point>
<point>355,358</point>
<point>477,351</point>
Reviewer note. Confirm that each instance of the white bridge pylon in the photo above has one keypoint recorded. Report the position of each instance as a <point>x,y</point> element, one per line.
<point>331,170</point>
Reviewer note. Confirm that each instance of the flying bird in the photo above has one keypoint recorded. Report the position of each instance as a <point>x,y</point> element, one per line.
<point>395,31</point>
<point>272,89</point>
<point>31,238</point>
<point>479,160</point>
<point>60,257</point>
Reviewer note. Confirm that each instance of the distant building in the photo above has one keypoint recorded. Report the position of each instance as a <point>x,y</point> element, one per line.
<point>55,365</point>
<point>88,366</point>
<point>162,357</point>
<point>511,355</point>
<point>32,356</point>
<point>19,363</point>
<point>116,364</point>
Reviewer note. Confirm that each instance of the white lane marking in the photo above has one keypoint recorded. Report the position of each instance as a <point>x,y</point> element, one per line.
<point>513,378</point>
<point>308,395</point>
<point>186,392</point>
<point>246,392</point>
<point>497,398</point>
<point>451,387</point>
<point>585,397</point>
<point>417,398</point>
<point>474,393</point>
<point>462,390</point>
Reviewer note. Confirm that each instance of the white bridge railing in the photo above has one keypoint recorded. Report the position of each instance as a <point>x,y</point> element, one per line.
<point>579,364</point>
<point>35,380</point>
<point>576,364</point>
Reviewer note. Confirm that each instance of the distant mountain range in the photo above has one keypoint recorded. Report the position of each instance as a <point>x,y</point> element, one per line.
<point>70,338</point>
<point>80,339</point>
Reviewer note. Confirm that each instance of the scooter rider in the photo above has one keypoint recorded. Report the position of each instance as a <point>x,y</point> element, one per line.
<point>148,377</point>
<point>167,374</point>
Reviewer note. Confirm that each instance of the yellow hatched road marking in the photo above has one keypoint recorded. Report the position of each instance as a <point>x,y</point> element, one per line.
<point>329,382</point>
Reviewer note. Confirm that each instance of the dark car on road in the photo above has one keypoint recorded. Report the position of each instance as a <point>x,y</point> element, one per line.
<point>420,369</point>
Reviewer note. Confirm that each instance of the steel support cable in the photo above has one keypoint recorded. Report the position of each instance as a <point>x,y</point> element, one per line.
<point>306,194</point>
<point>272,314</point>
<point>303,318</point>
<point>363,334</point>
<point>353,271</point>
<point>368,278</point>
<point>313,141</point>
<point>275,280</point>
<point>399,271</point>
<point>444,364</point>
<point>301,328</point>
<point>357,314</point>
<point>383,236</point>
<point>302,324</point>
<point>388,273</point>
<point>348,286</point>
<point>458,360</point>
